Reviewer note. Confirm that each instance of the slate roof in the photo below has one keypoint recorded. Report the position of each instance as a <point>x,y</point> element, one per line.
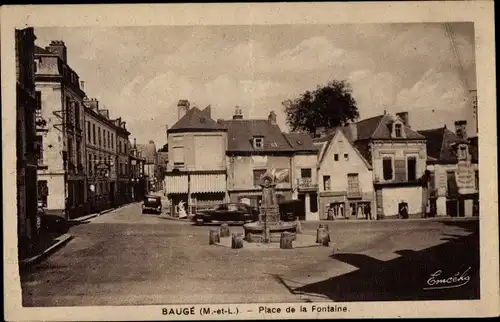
<point>439,144</point>
<point>301,142</point>
<point>241,133</point>
<point>196,120</point>
<point>379,128</point>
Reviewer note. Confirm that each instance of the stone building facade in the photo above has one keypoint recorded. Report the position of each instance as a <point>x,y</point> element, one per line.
<point>61,170</point>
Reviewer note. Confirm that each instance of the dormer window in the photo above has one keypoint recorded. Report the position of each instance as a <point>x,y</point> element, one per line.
<point>462,152</point>
<point>398,130</point>
<point>258,143</point>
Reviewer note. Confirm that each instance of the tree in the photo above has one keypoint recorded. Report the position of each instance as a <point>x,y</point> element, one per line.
<point>327,106</point>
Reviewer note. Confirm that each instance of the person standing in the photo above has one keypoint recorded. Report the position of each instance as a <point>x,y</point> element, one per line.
<point>182,210</point>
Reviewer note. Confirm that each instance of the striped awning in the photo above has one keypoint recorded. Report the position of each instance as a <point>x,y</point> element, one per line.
<point>208,183</point>
<point>177,184</point>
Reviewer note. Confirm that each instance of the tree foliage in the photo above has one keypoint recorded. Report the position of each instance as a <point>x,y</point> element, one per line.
<point>327,106</point>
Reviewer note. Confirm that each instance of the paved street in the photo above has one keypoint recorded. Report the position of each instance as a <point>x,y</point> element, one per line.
<point>126,258</point>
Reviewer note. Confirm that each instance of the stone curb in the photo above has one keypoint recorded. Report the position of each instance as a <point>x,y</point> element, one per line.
<point>339,221</point>
<point>62,240</point>
<point>84,218</point>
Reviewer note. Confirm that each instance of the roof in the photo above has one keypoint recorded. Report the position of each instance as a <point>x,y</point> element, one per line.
<point>42,51</point>
<point>148,151</point>
<point>196,120</point>
<point>439,144</point>
<point>241,133</point>
<point>301,142</point>
<point>378,128</point>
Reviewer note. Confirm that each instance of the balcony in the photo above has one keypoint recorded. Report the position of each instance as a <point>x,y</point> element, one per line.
<point>40,122</point>
<point>354,193</point>
<point>306,184</point>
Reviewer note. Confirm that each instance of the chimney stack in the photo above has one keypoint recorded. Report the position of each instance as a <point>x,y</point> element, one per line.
<point>404,117</point>
<point>182,108</point>
<point>272,118</point>
<point>104,113</point>
<point>461,129</point>
<point>238,113</point>
<point>353,128</point>
<point>82,85</point>
<point>135,143</point>
<point>59,48</point>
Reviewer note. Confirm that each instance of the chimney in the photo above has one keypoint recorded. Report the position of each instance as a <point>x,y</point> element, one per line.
<point>238,113</point>
<point>124,125</point>
<point>404,117</point>
<point>272,118</point>
<point>220,121</point>
<point>182,108</point>
<point>92,103</point>
<point>59,48</point>
<point>353,128</point>
<point>104,113</point>
<point>320,131</point>
<point>135,143</point>
<point>82,85</point>
<point>461,129</point>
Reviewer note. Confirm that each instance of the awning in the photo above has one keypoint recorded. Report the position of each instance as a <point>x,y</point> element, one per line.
<point>177,184</point>
<point>208,183</point>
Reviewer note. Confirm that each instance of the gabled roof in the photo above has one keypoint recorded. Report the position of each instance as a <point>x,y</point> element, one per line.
<point>196,120</point>
<point>241,133</point>
<point>379,128</point>
<point>301,142</point>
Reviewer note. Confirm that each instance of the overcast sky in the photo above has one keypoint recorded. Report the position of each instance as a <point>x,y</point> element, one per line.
<point>139,73</point>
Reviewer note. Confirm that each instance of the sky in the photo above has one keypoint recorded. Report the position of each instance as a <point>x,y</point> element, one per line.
<point>140,73</point>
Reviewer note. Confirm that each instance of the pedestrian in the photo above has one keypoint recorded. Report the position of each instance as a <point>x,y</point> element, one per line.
<point>182,210</point>
<point>368,212</point>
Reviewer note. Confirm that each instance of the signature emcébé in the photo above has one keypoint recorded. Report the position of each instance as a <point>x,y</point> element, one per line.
<point>437,281</point>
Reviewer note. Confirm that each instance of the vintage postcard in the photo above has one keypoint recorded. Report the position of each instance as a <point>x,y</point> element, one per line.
<point>249,161</point>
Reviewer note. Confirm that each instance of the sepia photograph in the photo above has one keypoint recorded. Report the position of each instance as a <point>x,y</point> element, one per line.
<point>285,166</point>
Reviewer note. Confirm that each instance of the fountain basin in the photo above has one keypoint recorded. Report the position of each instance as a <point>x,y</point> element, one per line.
<point>254,232</point>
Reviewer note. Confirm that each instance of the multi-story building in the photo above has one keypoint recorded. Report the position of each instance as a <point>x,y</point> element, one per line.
<point>148,152</point>
<point>100,134</point>
<point>346,177</point>
<point>122,161</point>
<point>452,161</point>
<point>61,166</point>
<point>196,171</point>
<point>137,163</point>
<point>27,147</point>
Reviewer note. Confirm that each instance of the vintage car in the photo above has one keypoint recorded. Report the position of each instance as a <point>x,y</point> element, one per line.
<point>231,213</point>
<point>151,203</point>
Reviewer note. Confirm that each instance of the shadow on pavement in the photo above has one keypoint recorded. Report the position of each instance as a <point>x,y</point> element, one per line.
<point>405,277</point>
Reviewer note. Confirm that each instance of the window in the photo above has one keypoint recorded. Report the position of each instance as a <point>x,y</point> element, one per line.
<point>258,143</point>
<point>353,183</point>
<point>178,156</point>
<point>77,115</point>
<point>104,137</point>
<point>90,163</point>
<point>305,173</point>
<point>257,174</point>
<point>78,153</point>
<point>462,152</point>
<point>398,130</point>
<point>119,146</point>
<point>387,168</point>
<point>451,184</point>
<point>38,100</point>
<point>88,131</point>
<point>326,183</point>
<point>70,151</point>
<point>411,168</point>
<point>432,182</point>
<point>112,141</point>
<point>346,157</point>
<point>93,134</point>
<point>336,157</point>
<point>39,140</point>
<point>99,136</point>
<point>109,142</point>
<point>43,192</point>
<point>476,173</point>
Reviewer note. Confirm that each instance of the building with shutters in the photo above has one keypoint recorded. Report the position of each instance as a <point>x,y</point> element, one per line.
<point>397,155</point>
<point>196,171</point>
<point>27,146</point>
<point>345,177</point>
<point>62,163</point>
<point>452,162</point>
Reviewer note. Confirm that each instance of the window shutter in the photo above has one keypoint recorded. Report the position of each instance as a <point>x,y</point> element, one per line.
<point>399,170</point>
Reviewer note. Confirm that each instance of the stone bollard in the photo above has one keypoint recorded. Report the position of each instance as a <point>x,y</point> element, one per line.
<point>286,241</point>
<point>213,236</point>
<point>298,228</point>
<point>249,238</point>
<point>236,241</point>
<point>224,230</point>
<point>323,236</point>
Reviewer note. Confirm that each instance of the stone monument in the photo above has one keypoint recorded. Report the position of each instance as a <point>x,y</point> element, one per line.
<point>269,227</point>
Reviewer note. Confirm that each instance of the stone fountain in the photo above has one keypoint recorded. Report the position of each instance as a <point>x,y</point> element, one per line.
<point>269,227</point>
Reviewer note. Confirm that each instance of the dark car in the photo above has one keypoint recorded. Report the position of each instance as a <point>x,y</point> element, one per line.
<point>53,223</point>
<point>228,213</point>
<point>151,203</point>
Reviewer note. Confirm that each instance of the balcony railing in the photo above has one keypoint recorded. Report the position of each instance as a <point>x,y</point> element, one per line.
<point>306,184</point>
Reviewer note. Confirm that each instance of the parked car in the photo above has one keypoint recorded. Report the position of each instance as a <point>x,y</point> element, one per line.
<point>53,223</point>
<point>151,203</point>
<point>230,213</point>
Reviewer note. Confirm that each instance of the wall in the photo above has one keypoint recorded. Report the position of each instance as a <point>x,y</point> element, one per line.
<point>240,170</point>
<point>393,196</point>
<point>199,153</point>
<point>399,150</point>
<point>304,161</point>
<point>338,170</point>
